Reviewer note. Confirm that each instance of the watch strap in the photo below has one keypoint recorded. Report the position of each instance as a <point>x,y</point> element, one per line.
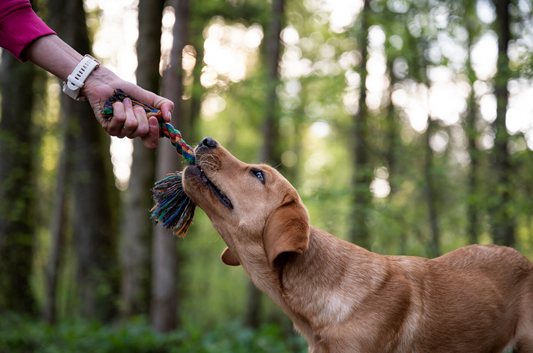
<point>77,78</point>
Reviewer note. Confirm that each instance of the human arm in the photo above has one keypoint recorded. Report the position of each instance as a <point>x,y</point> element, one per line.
<point>58,58</point>
<point>35,42</point>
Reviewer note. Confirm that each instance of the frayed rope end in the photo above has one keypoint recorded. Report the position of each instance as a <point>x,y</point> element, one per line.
<point>174,209</point>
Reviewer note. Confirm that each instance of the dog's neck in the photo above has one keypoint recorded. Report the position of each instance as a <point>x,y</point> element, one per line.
<point>295,286</point>
<point>320,272</point>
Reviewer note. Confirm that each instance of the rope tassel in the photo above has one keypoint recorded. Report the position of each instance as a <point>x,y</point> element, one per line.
<point>173,208</point>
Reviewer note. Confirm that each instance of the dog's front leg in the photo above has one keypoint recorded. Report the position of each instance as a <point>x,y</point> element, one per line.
<point>315,347</point>
<point>318,345</point>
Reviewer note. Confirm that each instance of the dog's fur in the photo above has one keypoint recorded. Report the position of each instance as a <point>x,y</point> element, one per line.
<point>343,298</point>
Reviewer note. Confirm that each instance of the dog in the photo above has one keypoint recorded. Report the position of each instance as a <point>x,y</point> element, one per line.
<point>343,298</point>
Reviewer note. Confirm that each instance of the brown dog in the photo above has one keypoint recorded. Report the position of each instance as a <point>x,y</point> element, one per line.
<point>343,298</point>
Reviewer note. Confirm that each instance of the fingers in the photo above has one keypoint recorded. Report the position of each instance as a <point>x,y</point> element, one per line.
<point>133,118</point>
<point>151,99</point>
<point>136,124</point>
<point>142,127</point>
<point>131,123</point>
<point>114,125</point>
<point>151,140</point>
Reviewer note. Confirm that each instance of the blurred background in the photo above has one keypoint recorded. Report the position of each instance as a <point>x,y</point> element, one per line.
<point>405,125</point>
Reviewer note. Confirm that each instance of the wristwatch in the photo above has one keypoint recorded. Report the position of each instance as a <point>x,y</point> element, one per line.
<point>77,78</point>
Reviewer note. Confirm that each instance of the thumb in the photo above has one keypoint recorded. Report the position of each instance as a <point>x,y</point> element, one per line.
<point>166,106</point>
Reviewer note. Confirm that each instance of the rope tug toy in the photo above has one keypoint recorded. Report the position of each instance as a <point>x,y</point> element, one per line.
<point>173,207</point>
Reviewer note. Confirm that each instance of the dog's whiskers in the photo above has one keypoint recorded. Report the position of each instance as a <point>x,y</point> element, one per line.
<point>209,161</point>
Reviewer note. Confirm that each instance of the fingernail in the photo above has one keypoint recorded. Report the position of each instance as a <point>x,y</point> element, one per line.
<point>126,101</point>
<point>153,122</point>
<point>169,115</point>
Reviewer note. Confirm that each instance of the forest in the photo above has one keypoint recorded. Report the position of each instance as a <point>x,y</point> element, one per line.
<point>405,125</point>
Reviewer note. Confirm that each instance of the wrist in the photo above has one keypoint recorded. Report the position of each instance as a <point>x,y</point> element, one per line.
<point>76,80</point>
<point>97,75</point>
<point>101,79</point>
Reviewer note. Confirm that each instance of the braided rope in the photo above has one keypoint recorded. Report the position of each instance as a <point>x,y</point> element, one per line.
<point>165,129</point>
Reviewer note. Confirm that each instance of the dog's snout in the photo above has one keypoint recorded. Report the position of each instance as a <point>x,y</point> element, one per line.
<point>208,142</point>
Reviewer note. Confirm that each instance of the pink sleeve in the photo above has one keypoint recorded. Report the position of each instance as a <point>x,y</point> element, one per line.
<point>19,26</point>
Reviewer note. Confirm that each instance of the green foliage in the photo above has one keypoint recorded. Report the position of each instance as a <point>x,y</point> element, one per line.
<point>20,335</point>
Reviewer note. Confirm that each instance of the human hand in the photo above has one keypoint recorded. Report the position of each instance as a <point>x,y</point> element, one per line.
<point>128,120</point>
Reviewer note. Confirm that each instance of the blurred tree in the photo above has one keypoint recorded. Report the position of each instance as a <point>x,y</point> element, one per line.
<point>419,42</point>
<point>16,185</point>
<point>94,221</point>
<point>502,209</point>
<point>164,310</point>
<point>135,249</point>
<point>269,153</point>
<point>60,215</point>
<point>471,24</point>
<point>57,226</point>
<point>272,46</point>
<point>393,143</point>
<point>197,90</point>
<point>363,173</point>
<point>392,133</point>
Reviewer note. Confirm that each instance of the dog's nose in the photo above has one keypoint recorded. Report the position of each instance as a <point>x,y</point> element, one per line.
<point>208,142</point>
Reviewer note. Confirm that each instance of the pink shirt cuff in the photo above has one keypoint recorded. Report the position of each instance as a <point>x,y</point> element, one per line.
<point>19,28</point>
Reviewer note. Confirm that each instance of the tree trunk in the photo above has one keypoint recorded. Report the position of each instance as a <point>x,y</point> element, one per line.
<point>16,186</point>
<point>430,190</point>
<point>392,151</point>
<point>91,180</point>
<point>473,207</point>
<point>196,97</point>
<point>472,135</point>
<point>268,153</point>
<point>57,235</point>
<point>253,306</point>
<point>135,249</point>
<point>363,173</point>
<point>273,46</point>
<point>392,132</point>
<point>165,271</point>
<point>503,220</point>
<point>94,229</point>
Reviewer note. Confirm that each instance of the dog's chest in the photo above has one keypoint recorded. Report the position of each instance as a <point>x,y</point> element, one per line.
<point>325,300</point>
<point>320,307</point>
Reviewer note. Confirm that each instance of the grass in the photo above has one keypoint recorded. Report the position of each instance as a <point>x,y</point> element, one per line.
<point>22,335</point>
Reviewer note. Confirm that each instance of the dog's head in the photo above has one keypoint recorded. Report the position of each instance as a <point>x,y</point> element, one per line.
<point>258,213</point>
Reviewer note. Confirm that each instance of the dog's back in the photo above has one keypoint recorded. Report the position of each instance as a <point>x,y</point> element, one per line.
<point>478,298</point>
<point>474,299</point>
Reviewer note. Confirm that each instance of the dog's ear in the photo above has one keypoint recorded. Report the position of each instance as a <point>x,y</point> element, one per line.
<point>286,230</point>
<point>228,258</point>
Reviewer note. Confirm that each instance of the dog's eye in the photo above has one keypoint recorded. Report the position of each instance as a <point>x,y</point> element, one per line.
<point>258,174</point>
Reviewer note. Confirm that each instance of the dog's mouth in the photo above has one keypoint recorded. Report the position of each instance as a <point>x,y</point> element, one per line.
<point>215,190</point>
